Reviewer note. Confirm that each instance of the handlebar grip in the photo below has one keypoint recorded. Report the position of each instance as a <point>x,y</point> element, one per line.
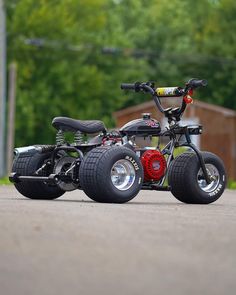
<point>128,86</point>
<point>195,83</point>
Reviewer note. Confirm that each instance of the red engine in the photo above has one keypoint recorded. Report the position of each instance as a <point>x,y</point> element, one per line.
<point>154,165</point>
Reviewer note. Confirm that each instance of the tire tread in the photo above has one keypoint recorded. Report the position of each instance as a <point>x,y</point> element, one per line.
<point>92,179</point>
<point>26,165</point>
<point>182,177</point>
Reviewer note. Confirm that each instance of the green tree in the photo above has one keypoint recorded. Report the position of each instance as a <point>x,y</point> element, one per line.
<point>72,55</point>
<point>58,78</point>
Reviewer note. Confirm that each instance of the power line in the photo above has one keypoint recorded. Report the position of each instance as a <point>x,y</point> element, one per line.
<point>127,52</point>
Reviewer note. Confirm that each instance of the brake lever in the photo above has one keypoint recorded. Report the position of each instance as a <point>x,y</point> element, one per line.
<point>148,87</point>
<point>188,96</point>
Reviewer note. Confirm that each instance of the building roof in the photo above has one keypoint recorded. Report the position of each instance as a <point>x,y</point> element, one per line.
<point>197,103</point>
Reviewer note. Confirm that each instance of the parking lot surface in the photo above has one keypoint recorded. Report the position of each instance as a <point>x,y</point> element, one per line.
<point>151,245</point>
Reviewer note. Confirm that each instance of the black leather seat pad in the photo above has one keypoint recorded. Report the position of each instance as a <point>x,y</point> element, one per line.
<point>68,124</point>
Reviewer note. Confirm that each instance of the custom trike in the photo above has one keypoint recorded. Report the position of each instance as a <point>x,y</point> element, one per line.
<point>113,166</point>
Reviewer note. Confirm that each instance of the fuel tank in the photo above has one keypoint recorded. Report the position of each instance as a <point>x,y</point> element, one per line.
<point>142,127</point>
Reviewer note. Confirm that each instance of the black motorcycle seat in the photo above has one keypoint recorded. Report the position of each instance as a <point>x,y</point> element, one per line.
<point>69,124</point>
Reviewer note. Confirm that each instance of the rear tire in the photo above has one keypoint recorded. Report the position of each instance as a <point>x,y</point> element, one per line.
<point>187,182</point>
<point>27,165</point>
<point>111,174</point>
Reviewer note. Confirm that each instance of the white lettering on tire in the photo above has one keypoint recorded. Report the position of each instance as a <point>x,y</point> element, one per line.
<point>216,191</point>
<point>136,167</point>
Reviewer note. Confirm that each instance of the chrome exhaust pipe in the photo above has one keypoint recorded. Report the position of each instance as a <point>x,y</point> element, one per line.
<point>27,150</point>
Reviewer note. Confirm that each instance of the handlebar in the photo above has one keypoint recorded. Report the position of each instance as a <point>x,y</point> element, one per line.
<point>139,86</point>
<point>195,83</point>
<point>127,86</point>
<point>149,87</point>
<point>171,91</point>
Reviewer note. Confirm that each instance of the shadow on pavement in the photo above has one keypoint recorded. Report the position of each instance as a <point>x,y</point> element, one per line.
<point>159,203</point>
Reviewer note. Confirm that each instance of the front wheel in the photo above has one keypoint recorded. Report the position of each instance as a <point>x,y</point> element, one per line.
<point>187,181</point>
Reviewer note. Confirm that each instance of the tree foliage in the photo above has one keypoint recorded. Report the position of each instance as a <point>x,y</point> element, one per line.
<point>61,48</point>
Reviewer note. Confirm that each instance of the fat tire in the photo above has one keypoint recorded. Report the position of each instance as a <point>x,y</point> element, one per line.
<point>182,178</point>
<point>26,165</point>
<point>95,171</point>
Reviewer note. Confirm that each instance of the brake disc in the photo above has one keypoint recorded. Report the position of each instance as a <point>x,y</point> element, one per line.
<point>64,166</point>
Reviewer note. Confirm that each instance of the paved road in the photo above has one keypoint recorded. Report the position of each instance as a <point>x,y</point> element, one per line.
<point>152,245</point>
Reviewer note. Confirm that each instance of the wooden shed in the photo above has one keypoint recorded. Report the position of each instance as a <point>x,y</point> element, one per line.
<point>219,127</point>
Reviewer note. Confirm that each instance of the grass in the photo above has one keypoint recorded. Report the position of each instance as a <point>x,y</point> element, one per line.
<point>231,184</point>
<point>4,180</point>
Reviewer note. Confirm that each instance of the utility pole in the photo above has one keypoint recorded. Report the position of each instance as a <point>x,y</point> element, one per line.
<point>11,114</point>
<point>2,87</point>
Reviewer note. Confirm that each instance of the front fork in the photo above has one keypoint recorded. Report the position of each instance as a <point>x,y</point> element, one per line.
<point>201,160</point>
<point>169,150</point>
<point>199,155</point>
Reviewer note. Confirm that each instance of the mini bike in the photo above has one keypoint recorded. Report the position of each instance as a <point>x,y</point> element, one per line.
<point>114,166</point>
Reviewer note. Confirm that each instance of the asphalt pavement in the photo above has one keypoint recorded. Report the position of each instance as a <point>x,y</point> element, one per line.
<point>151,245</point>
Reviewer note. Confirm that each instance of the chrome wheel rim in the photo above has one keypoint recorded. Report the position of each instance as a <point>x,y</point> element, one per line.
<point>214,176</point>
<point>123,174</point>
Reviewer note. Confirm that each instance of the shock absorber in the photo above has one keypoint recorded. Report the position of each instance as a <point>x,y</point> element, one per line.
<point>60,138</point>
<point>78,138</point>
